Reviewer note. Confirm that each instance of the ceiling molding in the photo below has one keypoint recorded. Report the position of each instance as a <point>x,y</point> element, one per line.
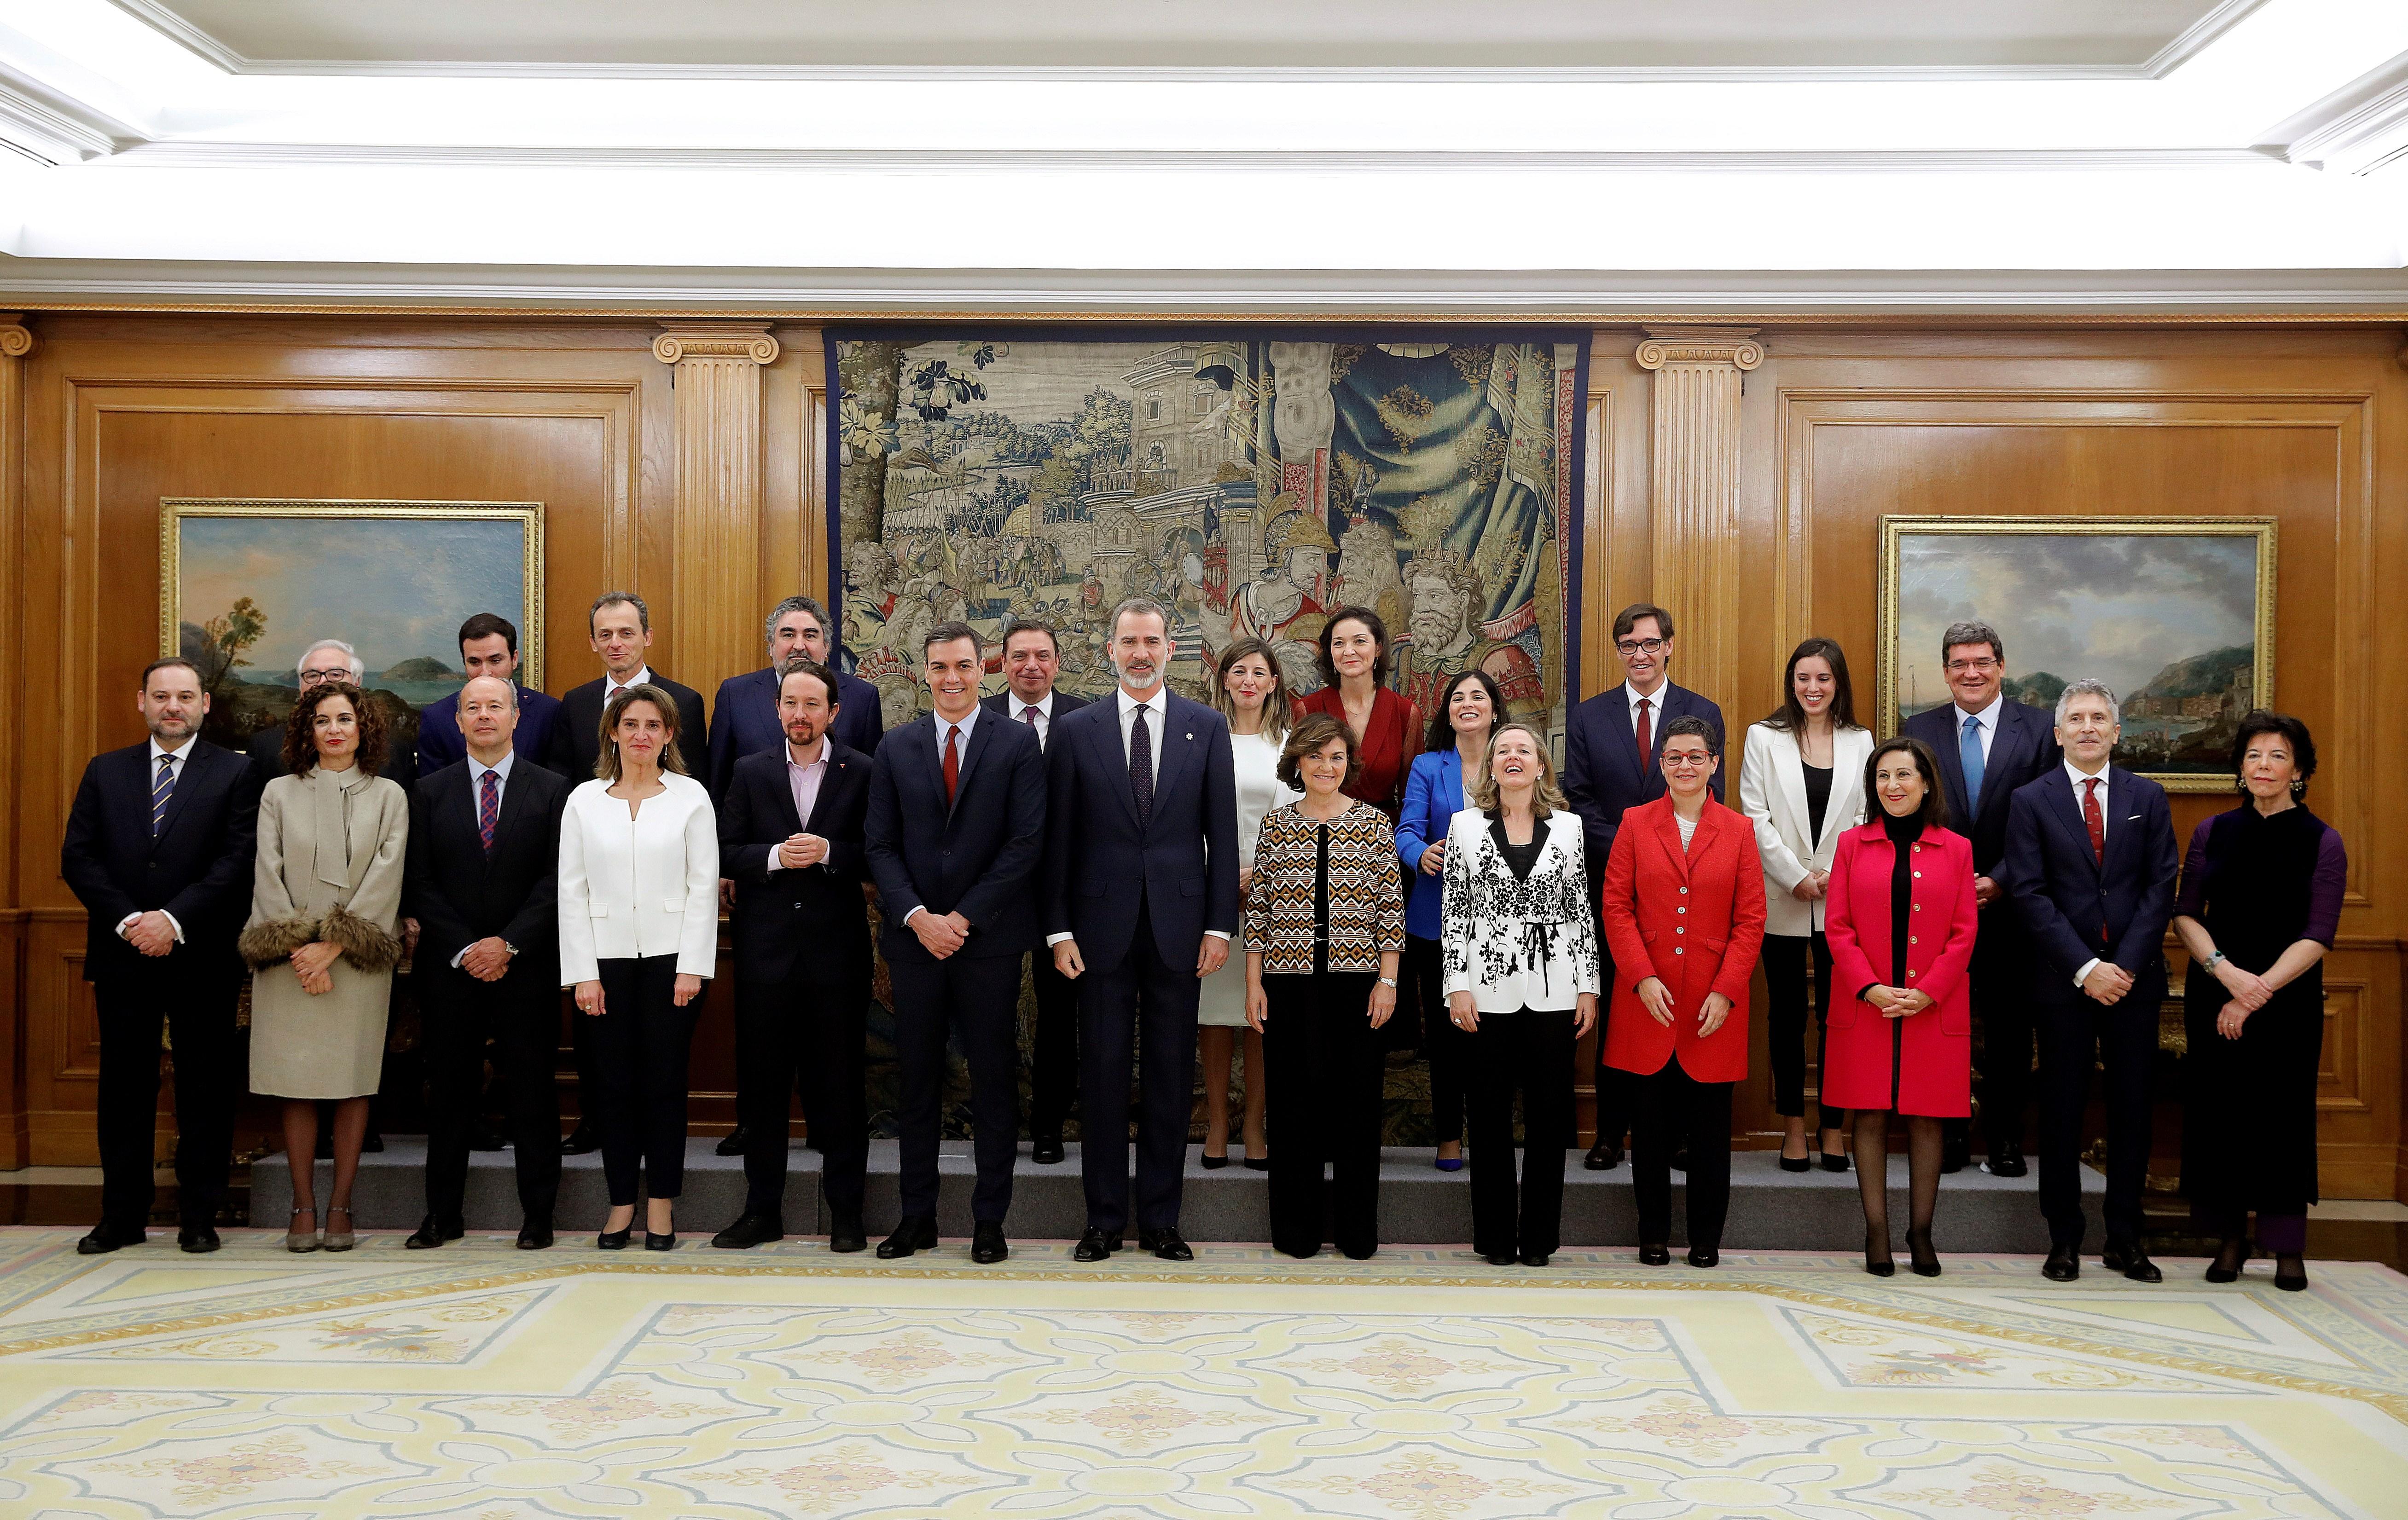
<point>2193,39</point>
<point>2370,107</point>
<point>182,33</point>
<point>50,128</point>
<point>976,161</point>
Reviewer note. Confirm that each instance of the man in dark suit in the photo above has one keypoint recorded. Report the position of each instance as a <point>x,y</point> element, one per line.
<point>1032,661</point>
<point>489,646</point>
<point>1989,748</point>
<point>328,659</point>
<point>789,837</point>
<point>744,715</point>
<point>485,859</point>
<point>956,828</point>
<point>1613,745</point>
<point>2089,864</point>
<point>619,628</point>
<point>1140,900</point>
<point>159,849</point>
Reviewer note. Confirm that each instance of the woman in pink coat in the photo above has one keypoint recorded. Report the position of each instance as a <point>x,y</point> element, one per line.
<point>1901,921</point>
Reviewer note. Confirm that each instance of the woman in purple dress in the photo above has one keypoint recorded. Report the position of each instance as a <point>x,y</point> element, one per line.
<point>2260,900</point>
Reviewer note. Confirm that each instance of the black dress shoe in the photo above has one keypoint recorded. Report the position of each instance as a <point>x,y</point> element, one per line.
<point>1096,1245</point>
<point>660,1243</point>
<point>1956,1153</point>
<point>915,1232</point>
<point>581,1140</point>
<point>1681,1158</point>
<point>1602,1157</point>
<point>2005,1163</point>
<point>846,1233</point>
<point>1705,1256</point>
<point>1167,1243</point>
<point>199,1239</point>
<point>485,1138</point>
<point>1534,1258</point>
<point>614,1240</point>
<point>1655,1256</point>
<point>2064,1264</point>
<point>535,1235</point>
<point>734,1142</point>
<point>1502,1258</point>
<point>2130,1259</point>
<point>749,1230</point>
<point>103,1239</point>
<point>987,1244</point>
<point>372,1143</point>
<point>432,1232</point>
<point>1045,1150</point>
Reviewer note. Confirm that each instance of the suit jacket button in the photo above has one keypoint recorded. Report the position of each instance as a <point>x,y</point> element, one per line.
<point>1679,910</point>
<point>1912,940</point>
<point>1685,891</point>
<point>1680,931</point>
<point>1909,976</point>
<point>1918,876</point>
<point>1676,951</point>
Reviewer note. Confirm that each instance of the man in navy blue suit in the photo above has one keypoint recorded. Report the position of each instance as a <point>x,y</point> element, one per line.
<point>955,829</point>
<point>1612,746</point>
<point>2090,867</point>
<point>489,646</point>
<point>744,714</point>
<point>158,848</point>
<point>1032,661</point>
<point>1140,901</point>
<point>1990,749</point>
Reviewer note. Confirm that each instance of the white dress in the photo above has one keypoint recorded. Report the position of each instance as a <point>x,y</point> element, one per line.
<point>1221,1000</point>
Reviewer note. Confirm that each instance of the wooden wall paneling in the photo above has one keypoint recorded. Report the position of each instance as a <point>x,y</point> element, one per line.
<point>16,343</point>
<point>718,495</point>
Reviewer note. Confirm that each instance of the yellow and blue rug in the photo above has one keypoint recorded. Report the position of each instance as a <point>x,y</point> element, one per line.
<point>482,1382</point>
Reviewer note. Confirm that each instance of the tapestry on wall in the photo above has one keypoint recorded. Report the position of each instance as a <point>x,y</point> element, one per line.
<point>1252,482</point>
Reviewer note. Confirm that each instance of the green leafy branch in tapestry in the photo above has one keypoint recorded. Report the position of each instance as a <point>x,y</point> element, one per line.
<point>937,389</point>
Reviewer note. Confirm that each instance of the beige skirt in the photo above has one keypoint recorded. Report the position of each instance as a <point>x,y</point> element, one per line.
<point>327,1046</point>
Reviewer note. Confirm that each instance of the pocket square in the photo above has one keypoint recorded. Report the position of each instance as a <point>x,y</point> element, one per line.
<point>2134,817</point>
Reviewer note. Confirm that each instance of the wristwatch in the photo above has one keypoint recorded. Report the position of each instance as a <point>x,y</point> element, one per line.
<point>2213,962</point>
<point>1388,982</point>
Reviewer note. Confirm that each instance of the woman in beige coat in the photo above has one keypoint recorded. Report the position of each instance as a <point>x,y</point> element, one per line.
<point>322,939</point>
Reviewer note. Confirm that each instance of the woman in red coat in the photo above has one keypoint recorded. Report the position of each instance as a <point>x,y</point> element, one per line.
<point>1901,920</point>
<point>1683,908</point>
<point>1355,660</point>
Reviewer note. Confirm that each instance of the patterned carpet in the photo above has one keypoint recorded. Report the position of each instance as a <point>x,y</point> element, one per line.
<point>484,1383</point>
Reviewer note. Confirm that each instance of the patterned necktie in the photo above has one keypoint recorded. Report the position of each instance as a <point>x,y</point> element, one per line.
<point>2096,819</point>
<point>1645,733</point>
<point>161,790</point>
<point>1141,769</point>
<point>952,761</point>
<point>489,808</point>
<point>1968,752</point>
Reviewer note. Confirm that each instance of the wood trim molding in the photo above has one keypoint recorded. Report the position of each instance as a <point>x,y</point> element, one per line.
<point>1695,490</point>
<point>717,492</point>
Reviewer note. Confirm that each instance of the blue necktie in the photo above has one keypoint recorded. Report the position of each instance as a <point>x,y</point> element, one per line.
<point>162,789</point>
<point>1970,749</point>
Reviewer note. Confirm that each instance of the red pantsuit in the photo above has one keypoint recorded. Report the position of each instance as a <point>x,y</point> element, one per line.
<point>1695,921</point>
<point>1932,1051</point>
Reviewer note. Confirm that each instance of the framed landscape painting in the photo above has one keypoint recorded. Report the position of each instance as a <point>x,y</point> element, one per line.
<point>245,586</point>
<point>2176,614</point>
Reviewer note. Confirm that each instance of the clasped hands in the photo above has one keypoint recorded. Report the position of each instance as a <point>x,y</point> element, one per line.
<point>1656,999</point>
<point>1813,887</point>
<point>941,933</point>
<point>1897,1002</point>
<point>487,959</point>
<point>2249,994</point>
<point>2107,982</point>
<point>151,934</point>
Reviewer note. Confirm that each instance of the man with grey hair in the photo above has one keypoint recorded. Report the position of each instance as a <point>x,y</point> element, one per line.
<point>1141,899</point>
<point>1988,747</point>
<point>744,714</point>
<point>2090,869</point>
<point>327,660</point>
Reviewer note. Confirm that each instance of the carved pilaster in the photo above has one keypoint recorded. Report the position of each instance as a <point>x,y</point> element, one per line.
<point>16,344</point>
<point>714,628</point>
<point>1695,495</point>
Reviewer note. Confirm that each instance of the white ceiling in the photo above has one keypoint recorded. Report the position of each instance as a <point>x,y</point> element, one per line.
<point>2060,36</point>
<point>2265,169</point>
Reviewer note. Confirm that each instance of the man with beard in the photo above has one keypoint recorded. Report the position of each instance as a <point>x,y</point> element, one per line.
<point>1446,599</point>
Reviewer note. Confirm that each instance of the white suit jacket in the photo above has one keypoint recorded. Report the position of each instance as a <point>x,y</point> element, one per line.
<point>1773,794</point>
<point>645,887</point>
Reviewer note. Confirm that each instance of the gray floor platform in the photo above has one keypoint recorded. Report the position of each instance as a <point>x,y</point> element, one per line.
<point>1770,1209</point>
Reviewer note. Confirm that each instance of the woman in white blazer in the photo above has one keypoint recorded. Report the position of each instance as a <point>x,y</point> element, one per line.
<point>1802,783</point>
<point>1518,947</point>
<point>638,930</point>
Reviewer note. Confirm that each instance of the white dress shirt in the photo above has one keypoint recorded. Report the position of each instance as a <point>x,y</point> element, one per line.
<point>1042,708</point>
<point>2081,783</point>
<point>175,758</point>
<point>1654,701</point>
<point>612,686</point>
<point>1989,721</point>
<point>964,726</point>
<point>477,770</point>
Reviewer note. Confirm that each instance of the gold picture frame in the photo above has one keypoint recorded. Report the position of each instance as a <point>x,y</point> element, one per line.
<point>396,578</point>
<point>2171,597</point>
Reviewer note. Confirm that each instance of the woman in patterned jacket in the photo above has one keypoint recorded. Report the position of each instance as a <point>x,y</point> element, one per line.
<point>1522,979</point>
<point>1324,926</point>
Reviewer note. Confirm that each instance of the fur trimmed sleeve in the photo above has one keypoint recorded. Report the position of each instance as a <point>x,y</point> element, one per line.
<point>266,942</point>
<point>367,946</point>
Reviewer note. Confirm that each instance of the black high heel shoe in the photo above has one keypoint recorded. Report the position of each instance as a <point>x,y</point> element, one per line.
<point>2290,1274</point>
<point>1885,1266</point>
<point>660,1243</point>
<point>614,1240</point>
<point>1919,1254</point>
<point>1834,1163</point>
<point>2229,1261</point>
<point>1212,1162</point>
<point>1797,1163</point>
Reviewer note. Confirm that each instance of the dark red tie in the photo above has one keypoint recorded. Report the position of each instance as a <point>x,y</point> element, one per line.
<point>2096,819</point>
<point>1644,732</point>
<point>952,761</point>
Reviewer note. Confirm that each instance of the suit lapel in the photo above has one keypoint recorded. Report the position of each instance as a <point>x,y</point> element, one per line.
<point>1668,837</point>
<point>2006,751</point>
<point>2118,806</point>
<point>795,824</point>
<point>514,806</point>
<point>2068,812</point>
<point>1104,739</point>
<point>1951,766</point>
<point>1176,751</point>
<point>1792,770</point>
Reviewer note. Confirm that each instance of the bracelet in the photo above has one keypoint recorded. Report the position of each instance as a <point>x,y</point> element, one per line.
<point>2213,962</point>
<point>1388,982</point>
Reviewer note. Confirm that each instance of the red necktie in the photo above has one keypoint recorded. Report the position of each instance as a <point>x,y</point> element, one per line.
<point>952,761</point>
<point>2096,819</point>
<point>1644,733</point>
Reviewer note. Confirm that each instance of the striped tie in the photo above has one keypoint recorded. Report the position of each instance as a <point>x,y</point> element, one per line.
<point>489,808</point>
<point>161,790</point>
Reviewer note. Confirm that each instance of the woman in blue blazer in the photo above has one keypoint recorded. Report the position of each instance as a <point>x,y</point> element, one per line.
<point>1443,774</point>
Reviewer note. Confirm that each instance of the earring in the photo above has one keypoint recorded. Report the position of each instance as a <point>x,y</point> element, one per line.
<point>2299,787</point>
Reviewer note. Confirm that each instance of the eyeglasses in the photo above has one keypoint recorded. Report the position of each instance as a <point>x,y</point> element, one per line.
<point>1637,647</point>
<point>319,677</point>
<point>1982,666</point>
<point>1687,759</point>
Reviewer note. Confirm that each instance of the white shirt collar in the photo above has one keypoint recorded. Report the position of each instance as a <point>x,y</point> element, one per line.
<point>2079,779</point>
<point>788,750</point>
<point>177,756</point>
<point>966,724</point>
<point>1159,703</point>
<point>477,768</point>
<point>1654,699</point>
<point>612,686</point>
<point>1043,704</point>
<point>1987,717</point>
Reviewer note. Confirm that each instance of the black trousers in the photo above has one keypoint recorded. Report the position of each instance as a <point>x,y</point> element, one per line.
<point>640,1044</point>
<point>589,1085</point>
<point>2074,1037</point>
<point>2003,1010</point>
<point>810,1032</point>
<point>1143,1009</point>
<point>1324,1066</point>
<point>457,1014</point>
<point>1053,1054</point>
<point>198,1014</point>
<point>977,1000</point>
<point>1448,1049</point>
<point>1529,1053</point>
<point>1785,960</point>
<point>1677,1110</point>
